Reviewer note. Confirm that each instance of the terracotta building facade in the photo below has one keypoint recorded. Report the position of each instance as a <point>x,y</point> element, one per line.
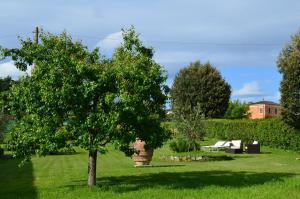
<point>263,109</point>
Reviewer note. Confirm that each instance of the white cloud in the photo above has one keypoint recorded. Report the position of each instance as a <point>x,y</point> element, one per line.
<point>110,42</point>
<point>9,69</point>
<point>251,89</point>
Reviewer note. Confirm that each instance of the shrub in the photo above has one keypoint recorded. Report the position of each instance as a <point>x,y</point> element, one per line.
<point>190,126</point>
<point>270,132</point>
<point>183,145</point>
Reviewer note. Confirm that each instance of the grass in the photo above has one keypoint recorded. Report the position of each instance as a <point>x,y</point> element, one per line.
<point>273,174</point>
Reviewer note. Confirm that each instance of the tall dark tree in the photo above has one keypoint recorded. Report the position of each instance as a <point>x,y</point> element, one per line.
<point>200,85</point>
<point>289,66</point>
<point>74,94</point>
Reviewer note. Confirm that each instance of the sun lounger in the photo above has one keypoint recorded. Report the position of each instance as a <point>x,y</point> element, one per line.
<point>218,145</point>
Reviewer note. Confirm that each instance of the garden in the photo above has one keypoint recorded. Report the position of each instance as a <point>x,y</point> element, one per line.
<point>71,128</point>
<point>272,174</point>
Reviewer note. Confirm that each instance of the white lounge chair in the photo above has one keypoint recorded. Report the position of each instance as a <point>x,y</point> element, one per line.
<point>218,145</point>
<point>227,144</point>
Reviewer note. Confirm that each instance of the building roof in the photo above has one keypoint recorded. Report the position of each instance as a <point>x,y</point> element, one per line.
<point>264,102</point>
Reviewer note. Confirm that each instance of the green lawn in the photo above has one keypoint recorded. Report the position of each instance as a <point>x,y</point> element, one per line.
<point>273,174</point>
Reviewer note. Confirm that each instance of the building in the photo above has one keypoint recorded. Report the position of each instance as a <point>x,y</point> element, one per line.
<point>263,109</point>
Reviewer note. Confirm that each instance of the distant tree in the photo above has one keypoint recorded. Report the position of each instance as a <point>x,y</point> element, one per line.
<point>200,85</point>
<point>76,96</point>
<point>289,66</point>
<point>237,110</point>
<point>198,92</point>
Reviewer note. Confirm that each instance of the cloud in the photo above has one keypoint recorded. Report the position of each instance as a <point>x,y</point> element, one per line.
<point>177,36</point>
<point>9,69</point>
<point>251,89</point>
<point>110,42</point>
<point>217,56</point>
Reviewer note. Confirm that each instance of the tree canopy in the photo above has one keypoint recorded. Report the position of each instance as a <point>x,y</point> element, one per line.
<point>200,85</point>
<point>75,96</point>
<point>237,110</point>
<point>289,66</point>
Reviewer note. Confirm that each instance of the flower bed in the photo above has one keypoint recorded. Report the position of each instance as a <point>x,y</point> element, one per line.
<point>192,158</point>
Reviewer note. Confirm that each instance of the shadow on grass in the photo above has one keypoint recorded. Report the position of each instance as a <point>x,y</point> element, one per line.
<point>184,180</point>
<point>241,156</point>
<point>16,182</point>
<point>65,153</point>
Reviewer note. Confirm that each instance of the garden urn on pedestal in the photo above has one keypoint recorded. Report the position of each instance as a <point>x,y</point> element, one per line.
<point>141,156</point>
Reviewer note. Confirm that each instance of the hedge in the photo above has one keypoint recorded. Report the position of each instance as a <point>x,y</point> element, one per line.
<point>269,132</point>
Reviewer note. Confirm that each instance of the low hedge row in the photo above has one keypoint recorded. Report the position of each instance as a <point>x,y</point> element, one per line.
<point>270,132</point>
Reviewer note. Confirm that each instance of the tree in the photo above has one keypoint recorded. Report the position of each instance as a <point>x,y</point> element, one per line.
<point>190,130</point>
<point>200,85</point>
<point>75,96</point>
<point>289,66</point>
<point>237,110</point>
<point>198,92</point>
<point>142,92</point>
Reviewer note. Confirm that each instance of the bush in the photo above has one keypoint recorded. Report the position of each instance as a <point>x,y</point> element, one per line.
<point>270,132</point>
<point>237,110</point>
<point>183,145</point>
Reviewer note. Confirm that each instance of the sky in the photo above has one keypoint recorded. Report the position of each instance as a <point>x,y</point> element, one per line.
<point>242,39</point>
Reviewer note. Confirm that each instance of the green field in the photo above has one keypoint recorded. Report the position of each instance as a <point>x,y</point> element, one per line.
<point>273,174</point>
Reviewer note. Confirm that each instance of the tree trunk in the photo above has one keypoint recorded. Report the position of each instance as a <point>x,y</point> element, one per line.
<point>92,168</point>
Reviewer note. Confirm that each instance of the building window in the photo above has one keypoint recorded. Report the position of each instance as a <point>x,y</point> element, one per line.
<point>270,111</point>
<point>261,110</point>
<point>275,111</point>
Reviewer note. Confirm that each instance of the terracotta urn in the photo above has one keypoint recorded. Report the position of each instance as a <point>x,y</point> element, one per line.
<point>141,157</point>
